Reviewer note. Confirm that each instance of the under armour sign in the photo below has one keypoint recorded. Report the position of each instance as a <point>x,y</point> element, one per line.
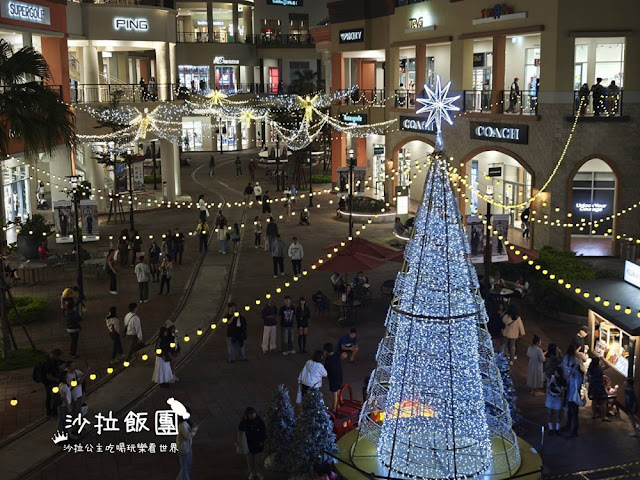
<point>500,133</point>
<point>352,36</point>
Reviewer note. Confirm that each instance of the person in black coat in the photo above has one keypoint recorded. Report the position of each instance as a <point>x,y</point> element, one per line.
<point>72,321</point>
<point>256,433</point>
<point>333,366</point>
<point>236,333</point>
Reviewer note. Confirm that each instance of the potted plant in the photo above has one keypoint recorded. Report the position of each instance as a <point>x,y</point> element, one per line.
<point>31,234</point>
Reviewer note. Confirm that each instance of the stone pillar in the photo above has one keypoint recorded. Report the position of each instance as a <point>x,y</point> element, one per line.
<point>32,162</point>
<point>392,75</point>
<point>234,16</point>
<point>497,74</point>
<point>462,64</point>
<point>175,79</point>
<point>91,70</point>
<point>168,158</point>
<point>163,68</point>
<point>95,175</point>
<point>251,131</point>
<point>421,67</point>
<point>177,183</point>
<point>239,136</point>
<point>59,166</point>
<point>246,18</point>
<point>210,21</point>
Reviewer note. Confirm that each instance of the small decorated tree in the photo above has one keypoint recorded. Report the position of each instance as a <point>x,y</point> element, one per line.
<point>502,362</point>
<point>280,422</point>
<point>313,439</point>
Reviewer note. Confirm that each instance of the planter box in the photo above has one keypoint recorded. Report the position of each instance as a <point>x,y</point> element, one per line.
<point>28,247</point>
<point>361,218</point>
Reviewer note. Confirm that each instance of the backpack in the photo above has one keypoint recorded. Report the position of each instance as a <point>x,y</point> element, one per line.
<point>39,375</point>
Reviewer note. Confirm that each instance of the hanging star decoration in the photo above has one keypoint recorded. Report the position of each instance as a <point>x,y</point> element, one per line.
<point>438,105</point>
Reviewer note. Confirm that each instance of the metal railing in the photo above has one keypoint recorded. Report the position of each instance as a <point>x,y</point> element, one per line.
<point>104,93</point>
<point>215,37</point>
<point>476,101</point>
<point>282,40</point>
<point>605,104</point>
<point>364,97</point>
<point>525,102</point>
<point>405,99</point>
<point>55,88</point>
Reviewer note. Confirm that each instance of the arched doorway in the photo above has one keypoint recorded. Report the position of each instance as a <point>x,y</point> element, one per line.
<point>512,186</point>
<point>593,197</point>
<point>409,158</point>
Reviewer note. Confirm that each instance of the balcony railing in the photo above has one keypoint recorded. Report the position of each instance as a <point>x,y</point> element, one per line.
<point>476,101</point>
<point>215,37</point>
<point>405,99</point>
<point>523,103</point>
<point>282,40</point>
<point>363,97</point>
<point>606,105</point>
<point>98,93</point>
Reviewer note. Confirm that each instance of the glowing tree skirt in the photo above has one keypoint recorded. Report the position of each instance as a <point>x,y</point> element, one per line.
<point>435,406</point>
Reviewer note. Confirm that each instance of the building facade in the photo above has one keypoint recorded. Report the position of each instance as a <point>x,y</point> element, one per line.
<point>519,68</point>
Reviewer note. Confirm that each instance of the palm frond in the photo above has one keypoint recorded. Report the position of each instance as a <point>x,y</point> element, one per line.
<point>24,63</point>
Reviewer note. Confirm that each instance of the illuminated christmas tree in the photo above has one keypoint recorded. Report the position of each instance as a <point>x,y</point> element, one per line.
<point>435,407</point>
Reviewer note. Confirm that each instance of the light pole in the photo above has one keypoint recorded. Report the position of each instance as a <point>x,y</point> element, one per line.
<point>487,248</point>
<point>153,156</point>
<point>351,193</point>
<point>277,163</point>
<point>74,191</point>
<point>310,181</point>
<point>130,165</point>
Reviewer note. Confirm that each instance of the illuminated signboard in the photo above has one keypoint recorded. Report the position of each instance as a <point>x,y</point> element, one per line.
<point>352,36</point>
<point>354,118</point>
<point>131,24</point>
<point>287,3</point>
<point>632,273</point>
<point>591,207</point>
<point>26,12</point>
<point>500,133</point>
<point>225,61</point>
<point>415,124</point>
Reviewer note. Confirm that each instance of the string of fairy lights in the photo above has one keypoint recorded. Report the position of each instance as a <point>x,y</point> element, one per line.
<point>214,325</point>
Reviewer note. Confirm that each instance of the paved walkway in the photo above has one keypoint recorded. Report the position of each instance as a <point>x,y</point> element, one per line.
<point>218,392</point>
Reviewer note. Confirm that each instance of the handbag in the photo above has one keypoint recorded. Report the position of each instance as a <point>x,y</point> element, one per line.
<point>242,448</point>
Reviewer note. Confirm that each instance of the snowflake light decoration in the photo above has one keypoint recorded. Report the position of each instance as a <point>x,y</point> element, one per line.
<point>438,105</point>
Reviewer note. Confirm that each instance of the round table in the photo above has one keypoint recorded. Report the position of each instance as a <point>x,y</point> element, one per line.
<point>347,311</point>
<point>502,294</point>
<point>94,266</point>
<point>32,271</point>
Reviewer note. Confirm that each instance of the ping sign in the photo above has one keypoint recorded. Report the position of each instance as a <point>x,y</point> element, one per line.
<point>131,24</point>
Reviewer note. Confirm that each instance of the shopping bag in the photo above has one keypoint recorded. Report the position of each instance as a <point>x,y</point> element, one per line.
<point>299,395</point>
<point>242,448</point>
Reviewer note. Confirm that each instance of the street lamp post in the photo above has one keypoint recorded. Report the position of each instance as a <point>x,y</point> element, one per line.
<point>130,165</point>
<point>153,156</point>
<point>487,248</point>
<point>278,163</point>
<point>75,193</point>
<point>310,182</point>
<point>351,193</point>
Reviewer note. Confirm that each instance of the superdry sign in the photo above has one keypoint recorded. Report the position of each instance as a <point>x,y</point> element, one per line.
<point>415,124</point>
<point>352,36</point>
<point>497,132</point>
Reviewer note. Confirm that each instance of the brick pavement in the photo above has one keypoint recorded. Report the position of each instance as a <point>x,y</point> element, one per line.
<point>219,392</point>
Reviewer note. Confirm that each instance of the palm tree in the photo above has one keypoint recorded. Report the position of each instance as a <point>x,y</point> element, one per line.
<point>33,114</point>
<point>305,83</point>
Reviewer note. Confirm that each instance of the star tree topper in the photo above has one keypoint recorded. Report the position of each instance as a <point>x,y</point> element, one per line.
<point>438,105</point>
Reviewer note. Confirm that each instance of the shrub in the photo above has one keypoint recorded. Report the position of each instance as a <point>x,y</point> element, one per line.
<point>319,178</point>
<point>149,178</point>
<point>31,310</point>
<point>37,225</point>
<point>366,205</point>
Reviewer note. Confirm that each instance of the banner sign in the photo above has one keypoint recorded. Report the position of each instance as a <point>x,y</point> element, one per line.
<point>498,132</point>
<point>352,36</point>
<point>500,225</point>
<point>63,220</point>
<point>89,218</point>
<point>138,176</point>
<point>415,124</point>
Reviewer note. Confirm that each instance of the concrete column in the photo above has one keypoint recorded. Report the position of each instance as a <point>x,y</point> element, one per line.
<point>95,175</point>
<point>32,162</point>
<point>234,16</point>
<point>421,66</point>
<point>163,67</point>
<point>168,156</point>
<point>239,136</point>
<point>59,166</point>
<point>177,184</point>
<point>497,74</point>
<point>27,40</point>
<point>246,18</point>
<point>392,76</point>
<point>326,60</point>
<point>462,64</point>
<point>210,21</point>
<point>175,79</point>
<point>251,131</point>
<point>91,69</point>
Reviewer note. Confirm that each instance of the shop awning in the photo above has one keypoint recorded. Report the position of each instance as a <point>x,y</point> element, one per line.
<point>616,291</point>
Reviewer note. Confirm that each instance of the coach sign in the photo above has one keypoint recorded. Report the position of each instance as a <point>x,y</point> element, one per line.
<point>415,124</point>
<point>498,132</point>
<point>352,36</point>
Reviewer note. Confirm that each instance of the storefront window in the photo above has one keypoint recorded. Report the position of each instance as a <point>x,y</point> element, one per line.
<point>270,27</point>
<point>16,192</point>
<point>404,167</point>
<point>378,171</point>
<point>532,67</point>
<point>223,29</point>
<point>482,65</point>
<point>226,77</point>
<point>195,78</point>
<point>192,135</point>
<point>610,62</point>
<point>614,345</point>
<point>580,66</point>
<point>594,187</point>
<point>599,58</point>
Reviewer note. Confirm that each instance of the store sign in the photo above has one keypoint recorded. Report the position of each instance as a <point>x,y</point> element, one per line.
<point>354,118</point>
<point>26,12</point>
<point>352,36</point>
<point>479,59</point>
<point>417,22</point>
<point>495,171</point>
<point>415,124</point>
<point>131,24</point>
<point>225,61</point>
<point>286,3</point>
<point>500,133</point>
<point>378,150</point>
<point>632,273</point>
<point>496,11</point>
<point>584,207</point>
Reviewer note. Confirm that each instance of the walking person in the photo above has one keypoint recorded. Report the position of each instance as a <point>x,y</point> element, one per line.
<point>72,321</point>
<point>222,239</point>
<point>178,246</point>
<point>235,238</point>
<point>203,235</point>
<point>202,209</point>
<point>167,244</point>
<point>113,326</point>
<point>252,169</point>
<point>598,94</point>
<point>583,99</point>
<point>535,375</point>
<point>303,314</point>
<point>524,218</point>
<point>296,253</point>
<point>110,268</point>
<point>513,329</point>
<point>270,319</point>
<point>238,164</point>
<point>165,274</point>
<point>143,272</point>
<point>272,232</point>
<point>248,193</point>
<point>287,314</point>
<point>65,406</point>
<point>597,391</point>
<point>236,333</point>
<point>50,375</point>
<point>257,233</point>
<point>552,360</point>
<point>556,386</point>
<point>212,166</point>
<point>136,247</point>
<point>123,247</point>
<point>133,329</point>
<point>255,431</point>
<point>277,255</point>
<point>333,366</point>
<point>162,373</point>
<point>514,94</point>
<point>266,203</point>
<point>312,374</point>
<point>257,192</point>
<point>186,431</point>
<point>154,261</point>
<point>76,378</point>
<point>574,398</point>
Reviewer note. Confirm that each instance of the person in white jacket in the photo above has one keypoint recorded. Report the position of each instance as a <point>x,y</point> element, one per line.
<point>311,375</point>
<point>295,254</point>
